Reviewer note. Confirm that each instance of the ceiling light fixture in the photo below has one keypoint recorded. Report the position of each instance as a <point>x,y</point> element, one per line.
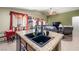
<point>51,12</point>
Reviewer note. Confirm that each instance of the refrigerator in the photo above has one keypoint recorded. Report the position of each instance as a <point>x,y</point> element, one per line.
<point>75,24</point>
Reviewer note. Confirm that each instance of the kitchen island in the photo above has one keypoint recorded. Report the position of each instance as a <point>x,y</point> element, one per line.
<point>25,43</point>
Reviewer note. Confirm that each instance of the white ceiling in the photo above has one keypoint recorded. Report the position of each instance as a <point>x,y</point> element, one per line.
<point>57,9</point>
<point>44,10</point>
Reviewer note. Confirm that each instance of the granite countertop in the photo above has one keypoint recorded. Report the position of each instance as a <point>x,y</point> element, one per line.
<point>48,47</point>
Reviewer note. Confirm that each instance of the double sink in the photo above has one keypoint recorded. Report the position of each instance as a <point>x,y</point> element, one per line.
<point>39,39</point>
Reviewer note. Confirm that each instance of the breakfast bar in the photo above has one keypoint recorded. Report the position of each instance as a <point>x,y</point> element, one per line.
<point>23,41</point>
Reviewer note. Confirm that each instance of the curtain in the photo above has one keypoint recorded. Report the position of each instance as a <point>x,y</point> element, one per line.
<point>14,21</point>
<point>18,19</point>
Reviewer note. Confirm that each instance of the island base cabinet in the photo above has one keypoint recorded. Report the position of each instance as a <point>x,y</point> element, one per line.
<point>58,47</point>
<point>26,46</point>
<point>29,48</point>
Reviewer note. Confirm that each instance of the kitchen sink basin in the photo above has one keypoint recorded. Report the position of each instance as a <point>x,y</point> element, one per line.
<point>40,39</point>
<point>31,35</point>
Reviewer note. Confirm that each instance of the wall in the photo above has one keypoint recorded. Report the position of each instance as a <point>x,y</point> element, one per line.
<point>5,17</point>
<point>65,18</point>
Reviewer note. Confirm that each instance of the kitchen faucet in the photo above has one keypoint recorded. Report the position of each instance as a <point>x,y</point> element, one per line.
<point>38,27</point>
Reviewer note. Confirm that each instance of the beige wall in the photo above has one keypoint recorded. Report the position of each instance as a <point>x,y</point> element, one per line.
<point>5,17</point>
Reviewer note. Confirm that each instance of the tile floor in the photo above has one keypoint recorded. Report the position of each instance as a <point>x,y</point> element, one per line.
<point>11,46</point>
<point>65,45</point>
<point>71,45</point>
